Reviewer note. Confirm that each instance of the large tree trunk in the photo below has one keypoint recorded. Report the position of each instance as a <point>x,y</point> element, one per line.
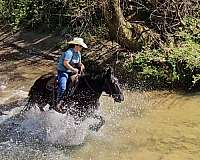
<point>132,36</point>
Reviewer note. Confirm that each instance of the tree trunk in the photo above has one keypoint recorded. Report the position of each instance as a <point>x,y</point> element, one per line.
<point>132,36</point>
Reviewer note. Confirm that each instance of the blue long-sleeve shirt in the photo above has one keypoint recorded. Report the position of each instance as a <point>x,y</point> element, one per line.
<point>71,56</point>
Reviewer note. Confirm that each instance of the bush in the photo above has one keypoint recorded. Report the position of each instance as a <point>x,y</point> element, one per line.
<point>77,17</point>
<point>14,12</point>
<point>179,64</point>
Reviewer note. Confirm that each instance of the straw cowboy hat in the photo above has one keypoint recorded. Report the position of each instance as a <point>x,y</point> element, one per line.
<point>78,41</point>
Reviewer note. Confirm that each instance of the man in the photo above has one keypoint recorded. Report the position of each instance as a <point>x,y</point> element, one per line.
<point>68,63</point>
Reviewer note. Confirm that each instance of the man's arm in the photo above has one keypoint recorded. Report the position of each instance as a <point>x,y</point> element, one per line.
<point>68,66</point>
<point>81,65</point>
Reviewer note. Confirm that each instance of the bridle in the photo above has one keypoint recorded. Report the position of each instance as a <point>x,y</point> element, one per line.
<point>111,93</point>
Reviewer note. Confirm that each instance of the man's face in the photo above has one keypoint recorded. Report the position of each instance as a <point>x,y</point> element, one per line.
<point>78,48</point>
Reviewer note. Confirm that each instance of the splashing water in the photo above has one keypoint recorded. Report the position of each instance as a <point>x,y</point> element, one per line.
<point>39,135</point>
<point>54,127</point>
<point>46,127</point>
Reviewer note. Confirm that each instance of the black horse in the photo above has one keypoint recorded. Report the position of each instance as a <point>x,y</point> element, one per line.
<point>84,100</point>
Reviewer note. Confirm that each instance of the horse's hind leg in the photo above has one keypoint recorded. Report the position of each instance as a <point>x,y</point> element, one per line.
<point>97,126</point>
<point>28,106</point>
<point>41,107</point>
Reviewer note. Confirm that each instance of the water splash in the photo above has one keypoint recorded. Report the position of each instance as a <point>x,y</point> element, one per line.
<point>40,135</point>
<point>54,127</point>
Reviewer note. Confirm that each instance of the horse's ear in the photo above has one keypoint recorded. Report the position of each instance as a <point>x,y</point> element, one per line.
<point>108,72</point>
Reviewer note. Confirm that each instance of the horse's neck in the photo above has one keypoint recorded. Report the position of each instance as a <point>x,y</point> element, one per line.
<point>93,86</point>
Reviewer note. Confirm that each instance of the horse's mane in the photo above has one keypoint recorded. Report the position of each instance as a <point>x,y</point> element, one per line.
<point>92,76</point>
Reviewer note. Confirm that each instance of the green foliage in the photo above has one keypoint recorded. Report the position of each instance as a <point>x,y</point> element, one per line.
<point>190,31</point>
<point>78,18</point>
<point>68,17</point>
<point>179,64</point>
<point>13,12</point>
<point>2,10</point>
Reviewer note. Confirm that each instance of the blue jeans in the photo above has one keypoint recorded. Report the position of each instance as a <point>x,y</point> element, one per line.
<point>62,84</point>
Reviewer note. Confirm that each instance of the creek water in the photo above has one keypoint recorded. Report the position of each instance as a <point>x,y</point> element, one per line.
<point>146,126</point>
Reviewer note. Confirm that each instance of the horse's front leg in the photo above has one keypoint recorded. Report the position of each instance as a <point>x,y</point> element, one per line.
<point>97,116</point>
<point>97,126</point>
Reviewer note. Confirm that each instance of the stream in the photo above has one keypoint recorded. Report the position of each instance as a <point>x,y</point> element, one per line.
<point>147,125</point>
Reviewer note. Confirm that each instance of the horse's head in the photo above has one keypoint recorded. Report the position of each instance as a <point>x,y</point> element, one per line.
<point>112,86</point>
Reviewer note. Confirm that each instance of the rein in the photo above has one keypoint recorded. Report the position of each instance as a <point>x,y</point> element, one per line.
<point>74,88</point>
<point>89,85</point>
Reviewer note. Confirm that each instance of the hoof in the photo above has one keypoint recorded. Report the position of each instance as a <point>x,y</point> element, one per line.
<point>42,110</point>
<point>59,110</point>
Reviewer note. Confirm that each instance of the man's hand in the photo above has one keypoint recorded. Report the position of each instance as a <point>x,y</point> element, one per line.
<point>82,67</point>
<point>75,70</point>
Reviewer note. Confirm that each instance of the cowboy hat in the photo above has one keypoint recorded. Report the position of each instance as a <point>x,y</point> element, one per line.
<point>78,41</point>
